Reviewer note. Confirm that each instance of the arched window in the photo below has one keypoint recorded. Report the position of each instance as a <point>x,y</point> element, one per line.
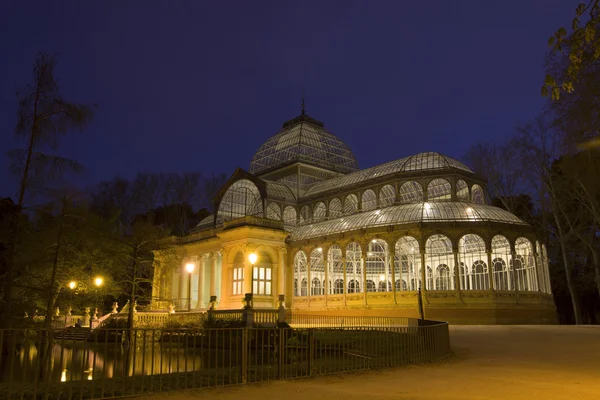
<point>477,194</point>
<point>305,216</point>
<point>408,261</point>
<point>353,267</point>
<point>336,269</point>
<point>289,216</point>
<point>350,204</point>
<point>387,196</point>
<point>479,273</point>
<point>462,190</point>
<point>320,212</point>
<point>274,211</point>
<point>300,272</point>
<point>411,192</point>
<point>442,282</point>
<point>316,288</point>
<point>401,285</point>
<point>242,198</point>
<point>503,278</point>
<point>524,266</point>
<point>369,200</point>
<point>371,287</point>
<point>338,286</point>
<point>317,268</point>
<point>335,208</point>
<point>378,263</point>
<point>439,189</point>
<point>471,249</point>
<point>438,251</point>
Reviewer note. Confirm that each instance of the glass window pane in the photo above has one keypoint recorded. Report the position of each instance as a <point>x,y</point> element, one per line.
<point>268,274</point>
<point>262,273</point>
<point>261,287</point>
<point>255,273</point>
<point>255,287</point>
<point>268,288</point>
<point>235,274</point>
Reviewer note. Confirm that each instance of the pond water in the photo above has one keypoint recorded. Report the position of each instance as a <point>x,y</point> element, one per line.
<point>84,361</point>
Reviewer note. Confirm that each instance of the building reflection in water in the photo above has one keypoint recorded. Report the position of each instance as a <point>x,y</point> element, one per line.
<point>85,361</point>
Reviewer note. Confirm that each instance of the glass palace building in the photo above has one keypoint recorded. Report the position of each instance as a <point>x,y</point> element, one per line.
<point>334,239</point>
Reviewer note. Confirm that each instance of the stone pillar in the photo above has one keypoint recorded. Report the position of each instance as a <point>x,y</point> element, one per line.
<point>512,274</point>
<point>201,270</point>
<point>490,270</point>
<point>281,271</point>
<point>423,277</point>
<point>345,291</point>
<point>457,276</point>
<point>247,283</point>
<point>326,268</point>
<point>213,273</point>
<point>308,283</point>
<point>364,274</point>
<point>393,267</point>
<point>182,290</point>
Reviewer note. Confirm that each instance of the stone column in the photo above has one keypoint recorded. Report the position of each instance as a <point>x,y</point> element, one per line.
<point>364,274</point>
<point>393,267</point>
<point>201,270</point>
<point>247,283</point>
<point>512,274</point>
<point>308,283</point>
<point>345,291</point>
<point>457,276</point>
<point>281,271</point>
<point>182,290</point>
<point>326,268</point>
<point>213,273</point>
<point>423,277</point>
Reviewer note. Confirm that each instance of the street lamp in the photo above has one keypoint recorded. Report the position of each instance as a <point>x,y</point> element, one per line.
<point>189,267</point>
<point>72,286</point>
<point>252,257</point>
<point>98,281</point>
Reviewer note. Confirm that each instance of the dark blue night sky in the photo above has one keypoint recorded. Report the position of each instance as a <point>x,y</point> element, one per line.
<point>200,85</point>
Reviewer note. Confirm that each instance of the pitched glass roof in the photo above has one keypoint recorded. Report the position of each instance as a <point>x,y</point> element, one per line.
<point>304,139</point>
<point>418,162</point>
<point>443,211</point>
<point>278,190</point>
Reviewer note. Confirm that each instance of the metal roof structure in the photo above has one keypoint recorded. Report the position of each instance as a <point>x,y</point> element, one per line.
<point>305,140</point>
<point>441,211</point>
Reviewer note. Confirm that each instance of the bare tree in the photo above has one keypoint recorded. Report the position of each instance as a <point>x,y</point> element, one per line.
<point>43,116</point>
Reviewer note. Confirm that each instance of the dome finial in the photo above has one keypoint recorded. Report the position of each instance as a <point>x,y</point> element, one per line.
<point>303,101</point>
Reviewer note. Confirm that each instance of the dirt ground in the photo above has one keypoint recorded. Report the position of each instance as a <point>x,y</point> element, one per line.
<point>490,362</point>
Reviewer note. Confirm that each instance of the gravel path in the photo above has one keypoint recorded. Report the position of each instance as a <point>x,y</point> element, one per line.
<point>490,362</point>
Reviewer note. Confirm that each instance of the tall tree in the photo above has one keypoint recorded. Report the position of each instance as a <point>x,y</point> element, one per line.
<point>43,116</point>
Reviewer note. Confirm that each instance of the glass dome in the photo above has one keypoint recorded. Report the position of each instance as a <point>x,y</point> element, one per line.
<point>304,139</point>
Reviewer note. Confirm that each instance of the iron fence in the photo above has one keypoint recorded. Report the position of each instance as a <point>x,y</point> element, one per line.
<point>109,363</point>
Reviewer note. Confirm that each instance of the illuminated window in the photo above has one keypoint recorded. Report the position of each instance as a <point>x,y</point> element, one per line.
<point>238,280</point>
<point>261,282</point>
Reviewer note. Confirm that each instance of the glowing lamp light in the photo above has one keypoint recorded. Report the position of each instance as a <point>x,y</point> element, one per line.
<point>374,241</point>
<point>382,277</point>
<point>369,254</point>
<point>98,281</point>
<point>427,206</point>
<point>319,249</point>
<point>72,285</point>
<point>252,258</point>
<point>189,267</point>
<point>469,210</point>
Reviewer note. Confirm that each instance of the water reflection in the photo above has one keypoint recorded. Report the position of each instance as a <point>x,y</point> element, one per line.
<point>85,361</point>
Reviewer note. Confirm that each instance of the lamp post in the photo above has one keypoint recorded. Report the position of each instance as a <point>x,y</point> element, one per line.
<point>72,286</point>
<point>252,257</point>
<point>189,267</point>
<point>98,281</point>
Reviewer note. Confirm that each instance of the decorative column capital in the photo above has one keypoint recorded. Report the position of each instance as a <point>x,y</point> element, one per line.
<point>215,254</point>
<point>282,251</point>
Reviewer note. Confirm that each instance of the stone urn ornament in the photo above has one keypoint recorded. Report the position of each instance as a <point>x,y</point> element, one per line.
<point>115,305</point>
<point>69,311</point>
<point>95,314</point>
<point>171,308</point>
<point>57,312</point>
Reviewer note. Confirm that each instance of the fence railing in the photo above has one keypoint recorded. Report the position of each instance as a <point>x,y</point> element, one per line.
<point>115,363</point>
